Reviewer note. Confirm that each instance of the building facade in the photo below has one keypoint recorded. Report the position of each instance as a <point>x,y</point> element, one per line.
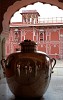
<point>48,34</point>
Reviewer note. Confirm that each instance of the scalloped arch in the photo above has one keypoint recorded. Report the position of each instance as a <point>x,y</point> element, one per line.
<point>23,3</point>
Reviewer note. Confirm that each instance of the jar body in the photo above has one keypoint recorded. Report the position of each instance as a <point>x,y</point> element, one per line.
<point>28,74</point>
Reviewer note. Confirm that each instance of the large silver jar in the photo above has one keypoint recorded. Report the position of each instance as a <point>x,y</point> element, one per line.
<point>28,72</point>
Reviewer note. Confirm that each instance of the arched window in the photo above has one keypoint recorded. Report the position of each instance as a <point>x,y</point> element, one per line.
<point>16,35</point>
<point>41,35</point>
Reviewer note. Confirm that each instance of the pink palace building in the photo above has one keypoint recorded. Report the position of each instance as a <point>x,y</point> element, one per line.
<point>47,33</point>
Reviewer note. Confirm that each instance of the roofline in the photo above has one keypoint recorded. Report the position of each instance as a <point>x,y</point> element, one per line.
<point>37,25</point>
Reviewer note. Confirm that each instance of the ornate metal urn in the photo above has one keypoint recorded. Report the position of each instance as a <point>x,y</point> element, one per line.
<point>28,72</point>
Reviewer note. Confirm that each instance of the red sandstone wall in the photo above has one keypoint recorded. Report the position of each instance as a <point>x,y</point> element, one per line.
<point>51,46</point>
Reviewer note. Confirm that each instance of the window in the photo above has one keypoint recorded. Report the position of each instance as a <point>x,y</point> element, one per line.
<point>16,35</point>
<point>41,36</point>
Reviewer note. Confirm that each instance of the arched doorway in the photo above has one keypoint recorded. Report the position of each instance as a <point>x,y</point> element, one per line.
<point>13,8</point>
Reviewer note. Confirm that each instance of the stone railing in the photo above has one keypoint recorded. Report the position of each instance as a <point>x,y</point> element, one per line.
<point>51,20</point>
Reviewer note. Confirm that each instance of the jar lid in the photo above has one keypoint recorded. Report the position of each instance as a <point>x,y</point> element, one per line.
<point>28,46</point>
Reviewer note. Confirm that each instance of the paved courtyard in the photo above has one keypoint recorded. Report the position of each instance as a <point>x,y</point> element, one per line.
<point>54,91</point>
<point>58,69</point>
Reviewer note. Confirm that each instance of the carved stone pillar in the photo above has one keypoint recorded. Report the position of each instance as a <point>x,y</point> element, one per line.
<point>1,52</point>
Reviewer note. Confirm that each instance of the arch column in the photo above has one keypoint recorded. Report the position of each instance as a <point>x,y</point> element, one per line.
<point>0,58</point>
<point>3,48</point>
<point>2,53</point>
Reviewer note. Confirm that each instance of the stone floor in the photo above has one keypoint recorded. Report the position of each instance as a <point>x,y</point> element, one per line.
<point>54,91</point>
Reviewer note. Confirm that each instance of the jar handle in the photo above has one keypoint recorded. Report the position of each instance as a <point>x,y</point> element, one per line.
<point>53,59</point>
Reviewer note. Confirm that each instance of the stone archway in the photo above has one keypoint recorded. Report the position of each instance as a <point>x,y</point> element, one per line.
<point>19,4</point>
<point>11,10</point>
